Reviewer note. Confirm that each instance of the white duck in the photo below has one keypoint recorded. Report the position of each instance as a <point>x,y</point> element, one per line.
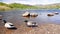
<point>30,23</point>
<point>26,14</point>
<point>33,14</point>
<point>8,25</point>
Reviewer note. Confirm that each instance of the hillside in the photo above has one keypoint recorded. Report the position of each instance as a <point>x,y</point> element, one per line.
<point>21,6</point>
<point>15,6</point>
<point>4,6</point>
<point>50,6</point>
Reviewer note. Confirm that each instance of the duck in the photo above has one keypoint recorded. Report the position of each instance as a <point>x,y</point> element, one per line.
<point>30,23</point>
<point>33,14</point>
<point>26,14</point>
<point>56,13</point>
<point>0,17</point>
<point>8,25</point>
<point>50,14</point>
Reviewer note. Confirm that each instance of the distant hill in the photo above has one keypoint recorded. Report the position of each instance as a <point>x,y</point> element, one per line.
<point>4,6</point>
<point>50,6</point>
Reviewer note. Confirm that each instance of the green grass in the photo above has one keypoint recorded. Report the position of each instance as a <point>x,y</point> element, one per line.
<point>21,6</point>
<point>15,6</point>
<point>51,6</point>
<point>4,6</point>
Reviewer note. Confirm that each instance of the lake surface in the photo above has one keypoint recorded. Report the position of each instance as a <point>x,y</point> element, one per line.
<point>15,16</point>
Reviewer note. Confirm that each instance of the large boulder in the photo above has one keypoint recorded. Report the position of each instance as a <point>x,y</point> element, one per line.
<point>26,14</point>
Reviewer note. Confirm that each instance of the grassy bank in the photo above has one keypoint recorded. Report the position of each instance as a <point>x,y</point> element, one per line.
<point>4,6</point>
<point>50,6</point>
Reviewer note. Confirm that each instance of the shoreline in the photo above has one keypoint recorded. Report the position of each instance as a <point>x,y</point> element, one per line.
<point>26,9</point>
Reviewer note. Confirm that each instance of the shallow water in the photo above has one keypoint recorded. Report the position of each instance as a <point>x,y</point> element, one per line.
<point>15,16</point>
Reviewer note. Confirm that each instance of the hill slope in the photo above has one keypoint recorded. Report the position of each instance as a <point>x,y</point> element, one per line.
<point>50,6</point>
<point>16,5</point>
<point>22,6</point>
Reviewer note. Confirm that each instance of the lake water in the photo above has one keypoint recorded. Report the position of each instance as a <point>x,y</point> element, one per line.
<point>16,15</point>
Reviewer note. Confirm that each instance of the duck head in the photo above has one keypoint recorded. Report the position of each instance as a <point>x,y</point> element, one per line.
<point>4,21</point>
<point>26,21</point>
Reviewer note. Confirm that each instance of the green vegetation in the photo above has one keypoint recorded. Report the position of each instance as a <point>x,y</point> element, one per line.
<point>50,6</point>
<point>15,6</point>
<point>21,6</point>
<point>4,6</point>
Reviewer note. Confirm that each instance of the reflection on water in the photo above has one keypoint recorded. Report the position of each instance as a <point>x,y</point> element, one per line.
<point>16,18</point>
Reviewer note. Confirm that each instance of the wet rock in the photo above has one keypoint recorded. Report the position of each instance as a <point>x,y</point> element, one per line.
<point>56,13</point>
<point>50,14</point>
<point>26,14</point>
<point>33,14</point>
